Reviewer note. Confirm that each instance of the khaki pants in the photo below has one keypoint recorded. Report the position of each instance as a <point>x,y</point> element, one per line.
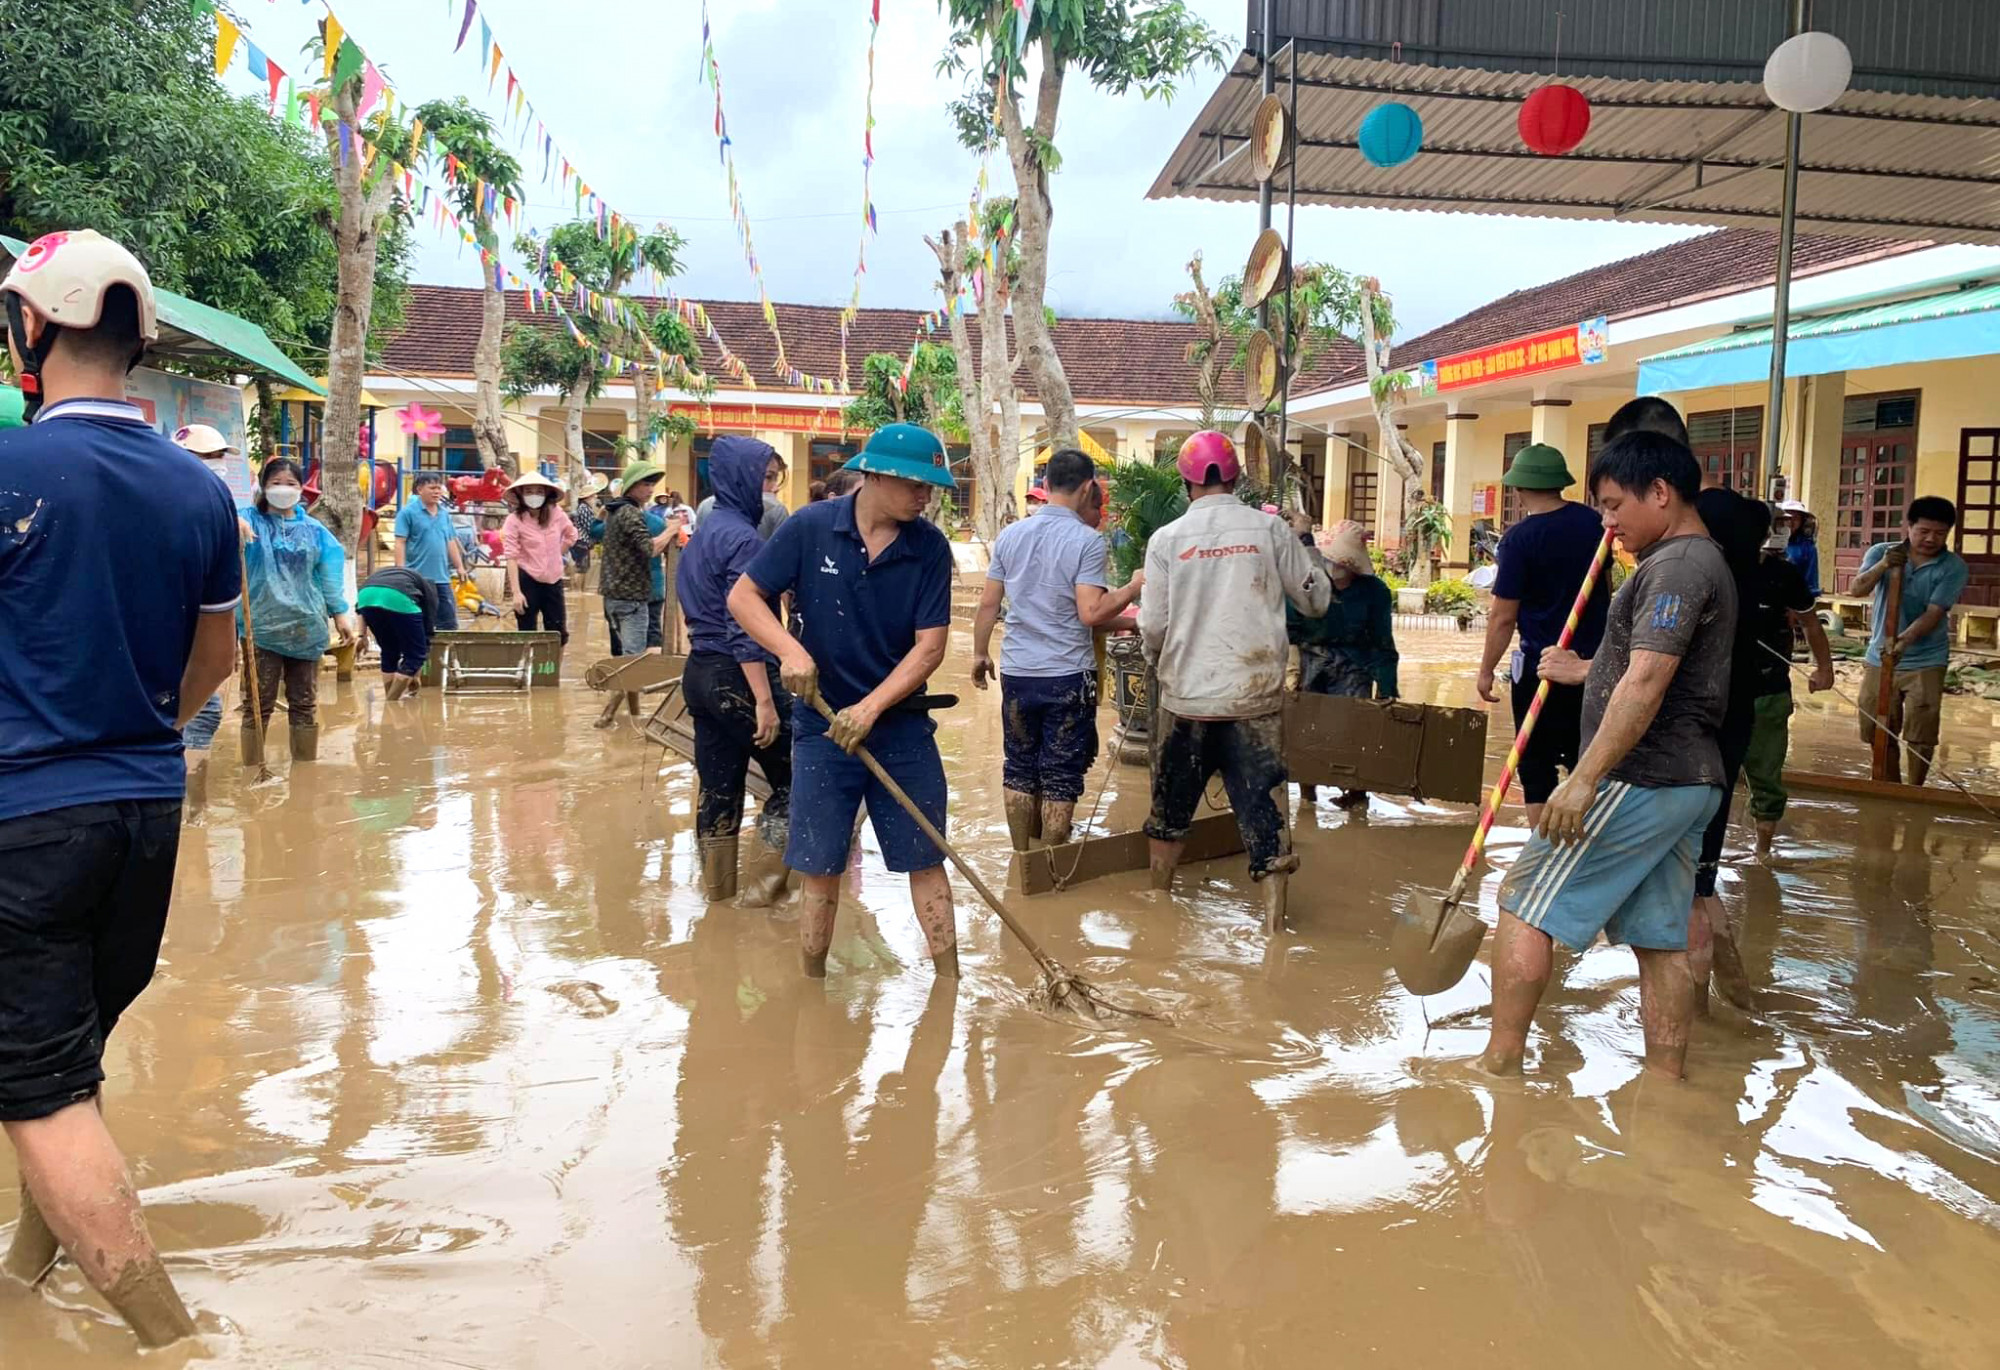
<point>1916,704</point>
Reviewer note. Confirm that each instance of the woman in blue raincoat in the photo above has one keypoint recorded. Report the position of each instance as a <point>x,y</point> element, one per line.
<point>295,584</point>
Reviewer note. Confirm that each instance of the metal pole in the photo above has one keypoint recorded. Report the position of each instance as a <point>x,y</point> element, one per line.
<point>1284,454</point>
<point>1265,79</point>
<point>1781,314</point>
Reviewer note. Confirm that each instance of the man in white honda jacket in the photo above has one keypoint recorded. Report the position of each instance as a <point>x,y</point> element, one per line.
<point>1213,622</point>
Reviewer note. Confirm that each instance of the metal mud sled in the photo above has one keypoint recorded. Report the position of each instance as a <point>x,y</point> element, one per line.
<point>493,662</point>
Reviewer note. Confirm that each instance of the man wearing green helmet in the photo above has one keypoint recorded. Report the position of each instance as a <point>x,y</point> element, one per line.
<point>871,581</point>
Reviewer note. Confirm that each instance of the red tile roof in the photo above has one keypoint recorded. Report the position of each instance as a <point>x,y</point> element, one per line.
<point>1109,361</point>
<point>1681,273</point>
<point>1143,361</point>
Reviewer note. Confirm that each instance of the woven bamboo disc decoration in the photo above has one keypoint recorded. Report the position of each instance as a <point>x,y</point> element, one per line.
<point>1270,137</point>
<point>1264,273</point>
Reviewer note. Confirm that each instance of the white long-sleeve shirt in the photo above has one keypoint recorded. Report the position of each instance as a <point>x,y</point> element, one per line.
<point>1213,614</point>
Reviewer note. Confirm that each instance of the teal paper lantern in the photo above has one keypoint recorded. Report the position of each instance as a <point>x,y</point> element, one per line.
<point>1391,135</point>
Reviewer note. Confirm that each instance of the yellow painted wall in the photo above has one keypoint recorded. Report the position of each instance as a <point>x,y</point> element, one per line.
<point>1953,396</point>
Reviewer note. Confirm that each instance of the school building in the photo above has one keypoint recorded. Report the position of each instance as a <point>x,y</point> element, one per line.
<point>1893,388</point>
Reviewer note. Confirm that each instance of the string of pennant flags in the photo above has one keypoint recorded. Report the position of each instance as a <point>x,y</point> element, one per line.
<point>346,60</point>
<point>868,224</point>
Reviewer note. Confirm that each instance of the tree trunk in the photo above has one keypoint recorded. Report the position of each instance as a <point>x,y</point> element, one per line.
<point>1402,457</point>
<point>1033,214</point>
<point>573,404</point>
<point>985,385</point>
<point>1207,363</point>
<point>489,423</point>
<point>642,410</point>
<point>364,200</point>
<point>263,440</point>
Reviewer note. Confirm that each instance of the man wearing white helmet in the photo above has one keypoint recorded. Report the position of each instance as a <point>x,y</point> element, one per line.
<point>118,585</point>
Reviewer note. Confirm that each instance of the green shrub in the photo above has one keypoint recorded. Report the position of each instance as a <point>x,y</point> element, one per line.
<point>1450,597</point>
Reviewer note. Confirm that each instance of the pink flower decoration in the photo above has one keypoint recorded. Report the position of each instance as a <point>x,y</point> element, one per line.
<point>421,423</point>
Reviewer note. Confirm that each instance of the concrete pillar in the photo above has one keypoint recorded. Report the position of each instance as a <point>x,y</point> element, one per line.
<point>1824,401</point>
<point>1460,429</point>
<point>1551,425</point>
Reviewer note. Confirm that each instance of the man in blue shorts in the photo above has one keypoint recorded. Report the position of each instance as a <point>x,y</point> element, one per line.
<point>427,543</point>
<point>118,585</point>
<point>1051,568</point>
<point>1618,842</point>
<point>871,581</point>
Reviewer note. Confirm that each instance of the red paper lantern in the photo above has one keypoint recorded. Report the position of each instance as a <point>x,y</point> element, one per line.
<point>1554,120</point>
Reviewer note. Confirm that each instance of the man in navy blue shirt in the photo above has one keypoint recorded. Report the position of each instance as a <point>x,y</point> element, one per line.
<point>871,580</point>
<point>1543,560</point>
<point>118,584</point>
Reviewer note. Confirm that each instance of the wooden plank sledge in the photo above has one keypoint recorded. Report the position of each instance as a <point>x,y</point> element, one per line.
<point>1936,796</point>
<point>625,678</point>
<point>1046,869</point>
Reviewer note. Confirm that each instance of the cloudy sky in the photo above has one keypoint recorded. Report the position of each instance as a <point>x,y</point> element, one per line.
<point>617,83</point>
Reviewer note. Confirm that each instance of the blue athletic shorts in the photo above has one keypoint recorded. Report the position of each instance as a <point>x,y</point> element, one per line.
<point>829,787</point>
<point>1631,877</point>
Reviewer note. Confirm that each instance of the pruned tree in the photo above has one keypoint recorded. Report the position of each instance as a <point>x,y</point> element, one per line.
<point>605,265</point>
<point>987,397</point>
<point>1385,390</point>
<point>1207,354</point>
<point>369,205</point>
<point>486,176</point>
<point>1119,46</point>
<point>928,395</point>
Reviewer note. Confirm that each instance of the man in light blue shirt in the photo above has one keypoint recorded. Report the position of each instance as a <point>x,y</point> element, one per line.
<point>1051,570</point>
<point>427,543</point>
<point>1915,650</point>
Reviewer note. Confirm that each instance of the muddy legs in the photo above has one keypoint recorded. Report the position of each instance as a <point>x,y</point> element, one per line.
<point>1522,960</point>
<point>1666,1008</point>
<point>930,895</point>
<point>83,1191</point>
<point>718,868</point>
<point>34,1248</point>
<point>1767,834</point>
<point>818,902</point>
<point>1161,858</point>
<point>1024,818</point>
<point>1700,949</point>
<point>1057,819</point>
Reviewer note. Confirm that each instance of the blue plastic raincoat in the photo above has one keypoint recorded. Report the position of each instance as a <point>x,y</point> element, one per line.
<point>297,581</point>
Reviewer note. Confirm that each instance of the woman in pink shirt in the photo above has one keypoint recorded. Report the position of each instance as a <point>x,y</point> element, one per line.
<point>536,537</point>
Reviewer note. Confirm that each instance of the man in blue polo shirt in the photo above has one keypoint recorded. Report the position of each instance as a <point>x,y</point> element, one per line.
<point>427,543</point>
<point>871,581</point>
<point>118,584</point>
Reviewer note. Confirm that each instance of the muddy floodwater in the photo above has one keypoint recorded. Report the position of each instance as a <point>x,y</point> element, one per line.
<point>449,1065</point>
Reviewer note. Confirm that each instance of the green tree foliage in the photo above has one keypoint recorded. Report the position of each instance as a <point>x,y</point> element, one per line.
<point>1324,300</point>
<point>464,132</point>
<point>932,399</point>
<point>1145,497</point>
<point>111,118</point>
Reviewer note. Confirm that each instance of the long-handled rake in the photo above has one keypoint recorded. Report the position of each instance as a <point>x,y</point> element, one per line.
<point>1434,939</point>
<point>1062,987</point>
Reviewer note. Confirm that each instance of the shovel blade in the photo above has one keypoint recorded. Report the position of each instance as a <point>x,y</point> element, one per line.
<point>1433,943</point>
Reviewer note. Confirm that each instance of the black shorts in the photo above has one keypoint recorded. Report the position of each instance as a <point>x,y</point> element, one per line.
<point>1558,735</point>
<point>83,905</point>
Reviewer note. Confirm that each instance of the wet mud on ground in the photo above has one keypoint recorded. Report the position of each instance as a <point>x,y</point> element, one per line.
<point>449,1065</point>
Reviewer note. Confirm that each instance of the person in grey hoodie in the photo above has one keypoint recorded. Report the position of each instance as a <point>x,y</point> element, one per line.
<point>1213,623</point>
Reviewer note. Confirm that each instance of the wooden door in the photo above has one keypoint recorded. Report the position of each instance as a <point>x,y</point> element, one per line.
<point>1726,443</point>
<point>1979,512</point>
<point>1510,498</point>
<point>1361,489</point>
<point>1878,473</point>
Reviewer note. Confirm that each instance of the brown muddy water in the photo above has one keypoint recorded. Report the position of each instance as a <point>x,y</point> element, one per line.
<point>449,1065</point>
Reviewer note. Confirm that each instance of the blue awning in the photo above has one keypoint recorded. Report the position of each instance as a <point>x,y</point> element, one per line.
<point>1965,323</point>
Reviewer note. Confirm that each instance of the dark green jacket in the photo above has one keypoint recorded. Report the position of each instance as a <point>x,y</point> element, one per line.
<point>1357,629</point>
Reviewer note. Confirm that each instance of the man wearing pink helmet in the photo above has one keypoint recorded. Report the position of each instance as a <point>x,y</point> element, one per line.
<point>1213,622</point>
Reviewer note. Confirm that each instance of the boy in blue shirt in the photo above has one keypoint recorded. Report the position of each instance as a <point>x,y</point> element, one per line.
<point>871,580</point>
<point>427,543</point>
<point>118,587</point>
<point>1917,648</point>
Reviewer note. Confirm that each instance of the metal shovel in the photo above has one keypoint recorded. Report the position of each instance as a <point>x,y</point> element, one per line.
<point>1434,940</point>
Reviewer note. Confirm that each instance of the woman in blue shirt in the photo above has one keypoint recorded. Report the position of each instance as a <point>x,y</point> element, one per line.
<point>296,582</point>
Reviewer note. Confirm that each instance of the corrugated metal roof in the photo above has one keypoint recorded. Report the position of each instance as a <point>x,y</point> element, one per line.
<point>1923,47</point>
<point>1912,166</point>
<point>1957,303</point>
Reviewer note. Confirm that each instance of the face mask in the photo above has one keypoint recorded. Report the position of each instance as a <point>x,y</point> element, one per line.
<point>282,496</point>
<point>219,465</point>
<point>533,501</point>
<point>1780,535</point>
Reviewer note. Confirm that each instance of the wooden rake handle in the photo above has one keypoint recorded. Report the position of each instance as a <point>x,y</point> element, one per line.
<point>1500,787</point>
<point>902,797</point>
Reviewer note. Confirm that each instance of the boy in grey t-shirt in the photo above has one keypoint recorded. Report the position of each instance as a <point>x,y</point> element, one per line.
<point>1619,839</point>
